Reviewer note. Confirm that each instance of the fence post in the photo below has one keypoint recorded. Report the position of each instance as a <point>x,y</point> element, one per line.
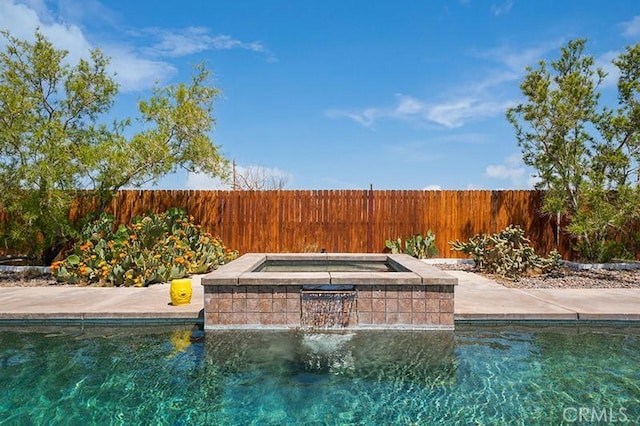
<point>370,220</point>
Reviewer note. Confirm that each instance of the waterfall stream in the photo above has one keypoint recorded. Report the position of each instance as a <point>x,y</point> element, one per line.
<point>328,309</point>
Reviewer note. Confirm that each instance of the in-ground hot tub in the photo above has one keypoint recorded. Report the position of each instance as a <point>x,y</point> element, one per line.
<point>328,290</point>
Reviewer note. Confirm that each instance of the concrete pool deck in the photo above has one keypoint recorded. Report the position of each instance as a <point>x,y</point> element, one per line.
<point>476,299</point>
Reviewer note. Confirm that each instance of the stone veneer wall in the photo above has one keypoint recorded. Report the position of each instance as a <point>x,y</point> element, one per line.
<point>246,306</point>
<point>411,306</point>
<point>384,306</point>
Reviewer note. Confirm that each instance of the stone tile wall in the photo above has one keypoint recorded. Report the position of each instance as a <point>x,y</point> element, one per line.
<point>410,306</point>
<point>246,306</point>
<point>376,306</point>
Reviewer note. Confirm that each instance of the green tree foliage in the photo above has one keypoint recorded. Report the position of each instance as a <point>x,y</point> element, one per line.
<point>56,144</point>
<point>586,156</point>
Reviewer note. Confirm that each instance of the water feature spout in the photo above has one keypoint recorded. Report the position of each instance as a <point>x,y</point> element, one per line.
<point>328,309</point>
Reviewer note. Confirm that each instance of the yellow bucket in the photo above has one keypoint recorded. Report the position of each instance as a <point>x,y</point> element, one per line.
<point>180,291</point>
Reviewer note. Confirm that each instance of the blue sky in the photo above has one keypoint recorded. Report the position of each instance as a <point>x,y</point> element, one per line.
<point>343,94</point>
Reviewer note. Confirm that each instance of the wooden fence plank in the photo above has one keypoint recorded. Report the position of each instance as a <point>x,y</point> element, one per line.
<point>346,220</point>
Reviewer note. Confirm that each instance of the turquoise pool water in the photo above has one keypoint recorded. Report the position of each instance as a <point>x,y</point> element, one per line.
<point>175,376</point>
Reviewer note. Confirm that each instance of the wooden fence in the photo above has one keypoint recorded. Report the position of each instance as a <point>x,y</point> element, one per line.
<point>348,220</point>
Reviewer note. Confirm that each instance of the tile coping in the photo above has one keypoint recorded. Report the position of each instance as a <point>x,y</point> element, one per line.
<point>408,271</point>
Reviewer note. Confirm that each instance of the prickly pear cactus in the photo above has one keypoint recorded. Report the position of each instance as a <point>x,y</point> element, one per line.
<point>418,246</point>
<point>507,254</point>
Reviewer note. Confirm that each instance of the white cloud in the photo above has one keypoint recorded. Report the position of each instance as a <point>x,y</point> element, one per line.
<point>477,99</point>
<point>133,72</point>
<point>605,61</point>
<point>532,181</point>
<point>631,28</point>
<point>473,186</point>
<point>502,9</point>
<point>40,7</point>
<point>135,68</point>
<point>408,105</point>
<point>22,22</point>
<point>432,188</point>
<point>366,117</point>
<point>452,113</point>
<point>191,40</point>
<point>503,172</point>
<point>459,111</point>
<point>516,59</point>
<point>202,181</point>
<point>405,108</point>
<point>252,173</point>
<point>86,11</point>
<point>513,170</point>
<point>514,160</point>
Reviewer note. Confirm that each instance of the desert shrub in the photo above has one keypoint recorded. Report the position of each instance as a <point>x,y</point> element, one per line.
<point>613,248</point>
<point>507,254</point>
<point>418,246</point>
<point>153,248</point>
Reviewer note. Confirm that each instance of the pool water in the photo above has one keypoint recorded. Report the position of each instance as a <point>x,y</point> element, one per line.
<point>324,266</point>
<point>178,376</point>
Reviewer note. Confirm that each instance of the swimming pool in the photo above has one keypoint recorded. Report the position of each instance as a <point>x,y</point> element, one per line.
<point>174,375</point>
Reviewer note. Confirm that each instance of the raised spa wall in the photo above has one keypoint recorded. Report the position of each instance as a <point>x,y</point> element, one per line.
<point>415,295</point>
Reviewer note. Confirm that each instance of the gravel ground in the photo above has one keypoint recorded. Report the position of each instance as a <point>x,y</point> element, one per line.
<point>26,279</point>
<point>564,279</point>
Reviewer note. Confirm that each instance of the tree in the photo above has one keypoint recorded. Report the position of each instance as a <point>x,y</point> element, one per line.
<point>55,144</point>
<point>586,156</point>
<point>257,178</point>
